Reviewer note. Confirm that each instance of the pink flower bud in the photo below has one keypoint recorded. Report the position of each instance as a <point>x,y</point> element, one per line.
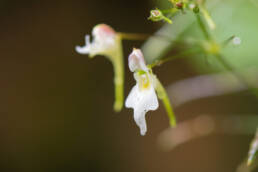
<point>136,61</point>
<point>103,31</point>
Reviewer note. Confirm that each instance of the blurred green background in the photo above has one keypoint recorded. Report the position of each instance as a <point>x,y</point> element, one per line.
<point>56,105</point>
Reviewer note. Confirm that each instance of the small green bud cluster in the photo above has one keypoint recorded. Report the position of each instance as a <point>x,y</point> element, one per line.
<point>196,6</point>
<point>179,4</point>
<point>186,4</point>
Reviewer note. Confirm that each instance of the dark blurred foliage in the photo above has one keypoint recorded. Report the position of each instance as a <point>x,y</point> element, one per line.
<point>56,105</point>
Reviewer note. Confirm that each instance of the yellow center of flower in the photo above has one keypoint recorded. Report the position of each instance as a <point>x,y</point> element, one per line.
<point>144,82</point>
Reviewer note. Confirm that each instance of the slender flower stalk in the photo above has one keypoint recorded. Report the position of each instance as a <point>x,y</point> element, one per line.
<point>252,154</point>
<point>207,17</point>
<point>164,97</point>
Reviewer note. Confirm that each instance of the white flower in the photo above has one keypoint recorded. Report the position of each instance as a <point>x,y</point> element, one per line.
<point>142,97</point>
<point>105,42</point>
<point>108,43</point>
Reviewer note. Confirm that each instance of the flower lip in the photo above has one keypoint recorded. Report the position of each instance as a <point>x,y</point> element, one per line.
<point>136,61</point>
<point>142,101</point>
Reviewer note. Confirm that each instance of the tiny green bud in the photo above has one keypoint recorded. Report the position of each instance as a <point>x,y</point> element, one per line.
<point>196,9</point>
<point>156,15</point>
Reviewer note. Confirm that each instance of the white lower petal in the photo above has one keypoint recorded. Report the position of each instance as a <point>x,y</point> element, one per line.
<point>142,101</point>
<point>139,118</point>
<point>83,50</point>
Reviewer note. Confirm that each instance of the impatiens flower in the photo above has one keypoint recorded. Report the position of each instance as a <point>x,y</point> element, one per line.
<point>143,97</point>
<point>105,42</point>
<point>108,43</point>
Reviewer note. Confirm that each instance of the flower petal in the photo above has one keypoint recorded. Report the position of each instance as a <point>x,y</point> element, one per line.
<point>103,31</point>
<point>142,101</point>
<point>86,48</point>
<point>139,118</point>
<point>136,61</point>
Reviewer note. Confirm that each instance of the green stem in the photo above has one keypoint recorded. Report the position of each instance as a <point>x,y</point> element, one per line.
<point>118,64</point>
<point>207,17</point>
<point>227,41</point>
<point>134,36</point>
<point>162,94</point>
<point>190,51</point>
<point>167,20</point>
<point>169,11</point>
<point>252,154</point>
<point>203,28</point>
